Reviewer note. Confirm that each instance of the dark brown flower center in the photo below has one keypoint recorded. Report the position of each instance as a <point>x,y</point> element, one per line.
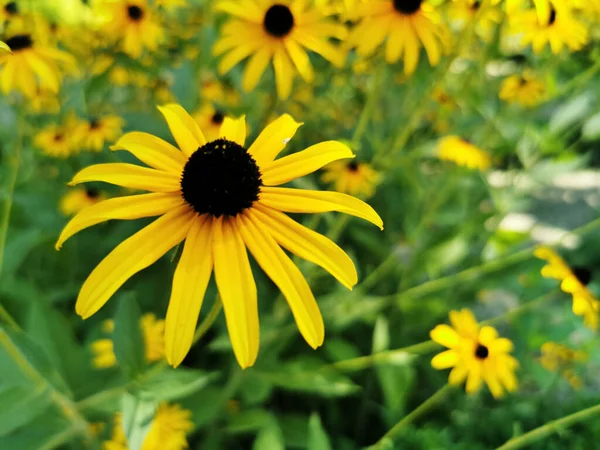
<point>352,166</point>
<point>135,12</point>
<point>583,274</point>
<point>552,17</point>
<point>221,178</point>
<point>278,21</point>
<point>11,8</point>
<point>481,352</point>
<point>19,42</point>
<point>94,124</point>
<point>407,6</point>
<point>217,118</point>
<point>92,193</point>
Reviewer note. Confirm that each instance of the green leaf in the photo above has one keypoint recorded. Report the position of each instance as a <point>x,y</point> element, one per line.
<point>138,414</point>
<point>317,436</point>
<point>269,438</point>
<point>173,384</point>
<point>128,339</point>
<point>20,405</point>
<point>248,421</point>
<point>591,128</point>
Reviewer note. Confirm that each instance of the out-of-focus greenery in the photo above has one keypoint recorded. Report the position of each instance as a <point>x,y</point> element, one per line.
<point>447,245</point>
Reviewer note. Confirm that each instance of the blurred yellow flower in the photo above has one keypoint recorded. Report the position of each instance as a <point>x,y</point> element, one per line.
<point>153,332</point>
<point>168,430</point>
<point>95,132</point>
<point>58,141</point>
<point>476,354</point>
<point>221,198</point>
<point>573,281</point>
<point>559,358</point>
<point>462,12</point>
<point>354,178</point>
<point>463,153</point>
<point>209,119</point>
<point>525,89</point>
<point>277,31</point>
<point>77,199</point>
<point>407,24</point>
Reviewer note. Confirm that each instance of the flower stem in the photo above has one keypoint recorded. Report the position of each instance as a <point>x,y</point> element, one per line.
<point>387,441</point>
<point>369,108</point>
<point>209,320</point>
<point>554,426</point>
<point>8,319</point>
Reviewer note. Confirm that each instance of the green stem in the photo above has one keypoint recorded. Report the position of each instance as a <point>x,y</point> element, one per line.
<point>550,428</point>
<point>579,80</point>
<point>209,320</point>
<point>387,441</point>
<point>368,109</point>
<point>7,318</point>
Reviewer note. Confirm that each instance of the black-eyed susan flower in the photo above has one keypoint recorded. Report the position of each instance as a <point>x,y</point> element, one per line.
<point>221,197</point>
<point>32,67</point>
<point>209,119</point>
<point>559,358</point>
<point>57,141</point>
<point>168,430</point>
<point>555,26</point>
<point>153,333</point>
<point>525,89</point>
<point>96,131</point>
<point>476,354</point>
<point>488,16</point>
<point>407,25</point>
<point>574,281</point>
<point>10,11</point>
<point>135,24</point>
<point>463,153</point>
<point>77,199</point>
<point>277,31</point>
<point>354,177</point>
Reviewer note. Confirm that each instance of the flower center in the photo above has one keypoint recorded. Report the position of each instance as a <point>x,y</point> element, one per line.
<point>475,5</point>
<point>407,6</point>
<point>481,352</point>
<point>221,178</point>
<point>352,166</point>
<point>217,118</point>
<point>582,274</point>
<point>135,12</point>
<point>552,17</point>
<point>94,124</point>
<point>11,8</point>
<point>19,42</point>
<point>92,193</point>
<point>278,21</point>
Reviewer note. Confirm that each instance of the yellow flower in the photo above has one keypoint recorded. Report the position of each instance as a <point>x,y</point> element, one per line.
<point>354,178</point>
<point>557,27</point>
<point>407,24</point>
<point>556,357</point>
<point>98,130</point>
<point>168,430</point>
<point>464,11</point>
<point>209,119</point>
<point>278,31</point>
<point>32,67</point>
<point>525,89</point>
<point>220,197</point>
<point>573,281</point>
<point>463,153</point>
<point>153,332</point>
<point>57,141</point>
<point>77,199</point>
<point>476,354</point>
<point>135,24</point>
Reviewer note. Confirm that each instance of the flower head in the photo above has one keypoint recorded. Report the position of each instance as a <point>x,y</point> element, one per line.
<point>277,31</point>
<point>77,199</point>
<point>525,89</point>
<point>210,118</point>
<point>96,131</point>
<point>463,153</point>
<point>573,281</point>
<point>557,357</point>
<point>476,354</point>
<point>57,141</point>
<point>221,197</point>
<point>353,177</point>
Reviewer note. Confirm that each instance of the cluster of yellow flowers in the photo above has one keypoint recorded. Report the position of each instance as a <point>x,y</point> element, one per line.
<point>559,358</point>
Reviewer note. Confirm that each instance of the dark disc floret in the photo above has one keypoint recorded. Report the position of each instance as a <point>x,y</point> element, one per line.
<point>352,166</point>
<point>278,21</point>
<point>475,5</point>
<point>135,12</point>
<point>92,193</point>
<point>407,6</point>
<point>11,8</point>
<point>481,352</point>
<point>583,274</point>
<point>552,17</point>
<point>221,178</point>
<point>19,42</point>
<point>94,124</point>
<point>217,118</point>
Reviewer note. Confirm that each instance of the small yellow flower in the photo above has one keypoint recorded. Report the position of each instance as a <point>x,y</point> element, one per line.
<point>209,119</point>
<point>525,89</point>
<point>57,141</point>
<point>556,357</point>
<point>168,430</point>
<point>95,132</point>
<point>462,12</point>
<point>476,354</point>
<point>77,199</point>
<point>573,281</point>
<point>463,153</point>
<point>354,178</point>
<point>153,332</point>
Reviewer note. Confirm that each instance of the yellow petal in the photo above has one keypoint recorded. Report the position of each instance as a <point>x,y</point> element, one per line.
<point>130,256</point>
<point>234,130</point>
<point>501,345</point>
<point>153,151</point>
<point>184,128</point>
<point>243,9</point>
<point>237,54</point>
<point>129,176</point>
<point>255,67</point>
<point>300,60</point>
<point>5,47</point>
<point>121,208</point>
<point>411,50</point>
<point>445,360</point>
<point>273,139</point>
<point>284,73</point>
<point>44,70</point>
<point>445,335</point>
<point>238,291</point>
<point>306,201</point>
<point>487,335</point>
<point>464,323</point>
<point>302,163</point>
<point>189,285</point>
<point>308,244</point>
<point>494,385</point>
<point>288,278</point>
<point>457,375</point>
<point>474,379</point>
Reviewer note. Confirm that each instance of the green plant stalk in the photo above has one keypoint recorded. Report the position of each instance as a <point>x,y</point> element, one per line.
<point>550,428</point>
<point>387,441</point>
<point>367,112</point>
<point>7,318</point>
